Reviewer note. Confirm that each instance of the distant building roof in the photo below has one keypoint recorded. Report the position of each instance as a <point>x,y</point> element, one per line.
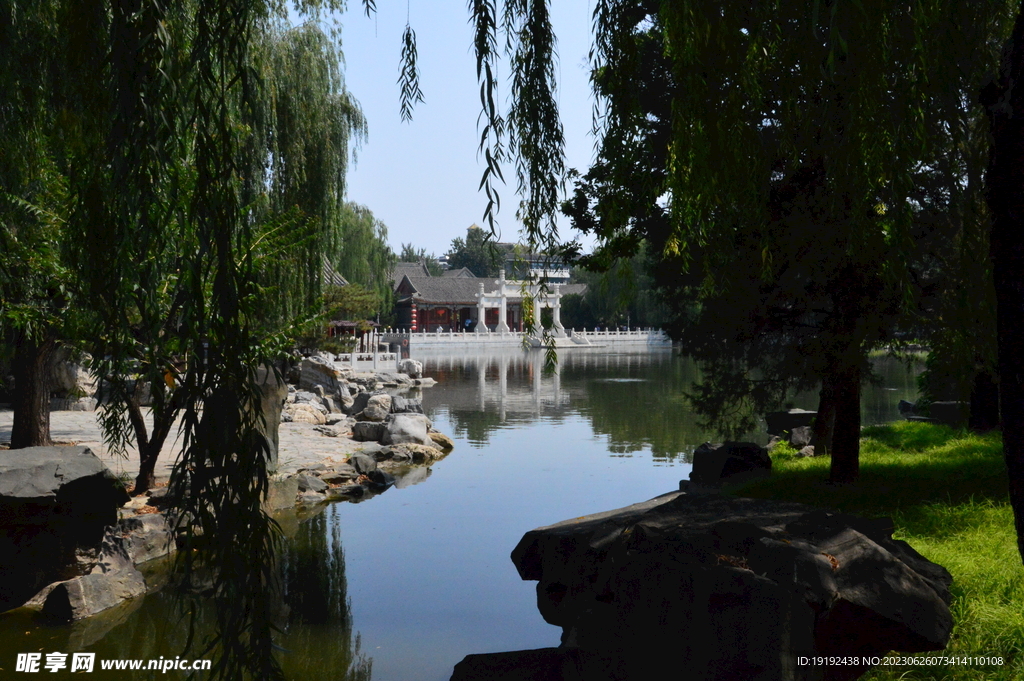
<point>461,273</point>
<point>412,269</point>
<point>331,277</point>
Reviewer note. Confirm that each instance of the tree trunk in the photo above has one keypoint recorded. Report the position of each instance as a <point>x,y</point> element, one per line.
<point>824,422</point>
<point>31,369</point>
<point>1004,186</point>
<point>846,432</point>
<point>149,448</point>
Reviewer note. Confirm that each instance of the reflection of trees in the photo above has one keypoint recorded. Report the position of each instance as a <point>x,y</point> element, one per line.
<point>635,399</point>
<point>319,635</point>
<point>313,614</point>
<point>648,411</point>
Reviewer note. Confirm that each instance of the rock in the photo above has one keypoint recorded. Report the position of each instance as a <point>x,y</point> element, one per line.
<point>71,379</point>
<point>359,402</point>
<point>424,382</point>
<point>953,414</point>
<point>415,452</point>
<point>733,588</point>
<point>542,664</point>
<point>305,413</point>
<point>146,537</point>
<point>806,451</point>
<point>377,408</point>
<point>319,370</point>
<point>380,480</point>
<point>345,492</point>
<point>73,404</point>
<point>53,500</point>
<point>905,407</point>
<point>781,422</point>
<point>773,443</point>
<point>368,431</point>
<point>113,580</point>
<point>341,473</point>
<point>305,397</point>
<point>273,391</point>
<point>328,431</point>
<point>403,428</point>
<point>362,463</point>
<point>801,436</point>
<point>339,419</point>
<point>281,493</point>
<point>442,440</point>
<point>729,463</point>
<point>310,499</point>
<point>309,483</point>
<point>411,368</point>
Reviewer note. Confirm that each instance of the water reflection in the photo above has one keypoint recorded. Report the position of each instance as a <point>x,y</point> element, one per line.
<point>635,398</point>
<point>313,614</point>
<point>426,579</point>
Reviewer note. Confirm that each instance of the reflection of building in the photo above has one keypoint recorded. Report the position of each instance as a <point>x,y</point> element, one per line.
<point>459,301</point>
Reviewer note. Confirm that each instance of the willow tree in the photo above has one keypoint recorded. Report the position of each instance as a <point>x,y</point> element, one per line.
<point>792,147</point>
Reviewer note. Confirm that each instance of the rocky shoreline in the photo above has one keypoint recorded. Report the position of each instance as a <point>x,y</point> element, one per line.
<point>339,435</point>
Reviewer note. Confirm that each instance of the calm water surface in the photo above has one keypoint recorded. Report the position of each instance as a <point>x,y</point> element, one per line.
<point>403,586</point>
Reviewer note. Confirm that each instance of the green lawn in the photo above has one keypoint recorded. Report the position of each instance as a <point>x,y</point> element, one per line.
<point>946,492</point>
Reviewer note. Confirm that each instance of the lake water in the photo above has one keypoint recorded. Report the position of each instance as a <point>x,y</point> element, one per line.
<point>404,585</point>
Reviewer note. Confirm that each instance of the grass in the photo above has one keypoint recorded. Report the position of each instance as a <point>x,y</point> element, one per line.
<point>946,491</point>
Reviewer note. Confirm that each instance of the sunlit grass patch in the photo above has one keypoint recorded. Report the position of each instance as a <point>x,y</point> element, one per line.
<point>946,491</point>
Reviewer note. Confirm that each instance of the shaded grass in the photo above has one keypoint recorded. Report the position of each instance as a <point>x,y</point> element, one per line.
<point>946,491</point>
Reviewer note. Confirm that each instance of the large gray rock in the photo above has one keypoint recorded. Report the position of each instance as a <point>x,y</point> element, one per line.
<point>780,422</point>
<point>146,537</point>
<point>368,431</point>
<point>411,367</point>
<point>318,370</point>
<point>732,588</point>
<point>377,408</point>
<point>409,427</point>
<point>729,463</point>
<point>273,392</point>
<point>53,500</point>
<point>113,580</point>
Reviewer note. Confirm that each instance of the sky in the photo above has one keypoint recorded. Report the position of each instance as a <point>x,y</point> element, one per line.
<point>420,178</point>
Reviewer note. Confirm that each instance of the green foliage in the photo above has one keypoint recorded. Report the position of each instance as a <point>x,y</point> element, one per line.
<point>352,302</point>
<point>946,493</point>
<point>364,256</point>
<point>410,253</point>
<point>624,294</point>
<point>478,253</point>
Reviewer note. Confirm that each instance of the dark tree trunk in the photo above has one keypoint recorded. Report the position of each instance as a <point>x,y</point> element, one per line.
<point>1004,185</point>
<point>825,421</point>
<point>846,432</point>
<point>149,447</point>
<point>31,368</point>
<point>984,403</point>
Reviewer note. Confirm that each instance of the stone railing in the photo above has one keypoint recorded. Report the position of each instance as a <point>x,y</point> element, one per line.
<point>440,337</point>
<point>368,361</point>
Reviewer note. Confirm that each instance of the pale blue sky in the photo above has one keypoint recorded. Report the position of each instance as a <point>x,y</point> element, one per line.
<point>421,178</point>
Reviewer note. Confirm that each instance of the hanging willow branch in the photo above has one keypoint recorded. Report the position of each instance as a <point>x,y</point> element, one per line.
<point>531,129</point>
<point>409,76</point>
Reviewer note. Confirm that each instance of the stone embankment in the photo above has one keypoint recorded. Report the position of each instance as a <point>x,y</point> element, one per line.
<point>71,538</point>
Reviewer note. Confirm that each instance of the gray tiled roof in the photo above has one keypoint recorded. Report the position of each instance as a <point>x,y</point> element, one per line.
<point>413,269</point>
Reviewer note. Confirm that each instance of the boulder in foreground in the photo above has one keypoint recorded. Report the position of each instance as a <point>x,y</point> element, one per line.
<point>730,588</point>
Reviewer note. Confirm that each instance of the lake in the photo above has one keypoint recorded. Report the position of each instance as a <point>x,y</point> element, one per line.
<point>404,585</point>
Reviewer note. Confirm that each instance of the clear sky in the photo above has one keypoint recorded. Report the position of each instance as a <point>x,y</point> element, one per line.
<point>421,178</point>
